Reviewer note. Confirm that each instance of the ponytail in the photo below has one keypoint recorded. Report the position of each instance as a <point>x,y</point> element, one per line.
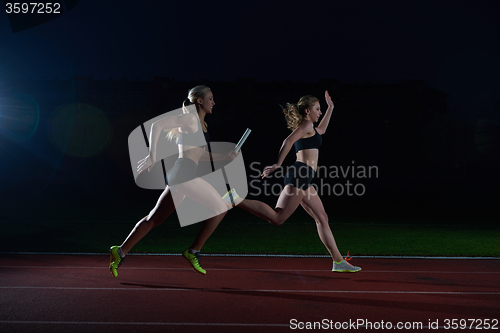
<point>295,113</point>
<point>292,116</point>
<point>193,95</point>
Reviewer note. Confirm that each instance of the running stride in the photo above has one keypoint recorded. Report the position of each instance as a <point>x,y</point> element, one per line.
<point>298,190</point>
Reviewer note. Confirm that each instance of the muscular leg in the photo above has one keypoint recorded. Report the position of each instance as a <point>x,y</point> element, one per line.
<point>313,205</point>
<point>164,207</point>
<point>206,229</point>
<point>309,210</point>
<point>287,203</point>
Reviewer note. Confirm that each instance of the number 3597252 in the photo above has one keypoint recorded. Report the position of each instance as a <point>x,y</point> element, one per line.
<point>33,8</point>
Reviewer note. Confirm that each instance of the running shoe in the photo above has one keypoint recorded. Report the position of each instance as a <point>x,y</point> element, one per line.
<point>115,260</point>
<point>344,266</point>
<point>230,198</point>
<point>194,260</point>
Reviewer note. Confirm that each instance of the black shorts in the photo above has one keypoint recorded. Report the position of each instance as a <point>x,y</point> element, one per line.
<point>183,170</point>
<point>299,175</point>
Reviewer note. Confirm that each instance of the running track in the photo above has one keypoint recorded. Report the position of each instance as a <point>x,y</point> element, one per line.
<point>70,293</point>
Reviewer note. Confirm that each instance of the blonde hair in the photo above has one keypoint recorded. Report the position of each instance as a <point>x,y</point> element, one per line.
<point>295,113</point>
<point>193,94</point>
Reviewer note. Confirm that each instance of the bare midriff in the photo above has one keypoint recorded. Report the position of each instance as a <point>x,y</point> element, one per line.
<point>309,157</point>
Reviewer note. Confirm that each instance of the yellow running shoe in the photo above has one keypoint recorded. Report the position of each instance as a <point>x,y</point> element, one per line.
<point>194,260</point>
<point>230,198</point>
<point>115,260</point>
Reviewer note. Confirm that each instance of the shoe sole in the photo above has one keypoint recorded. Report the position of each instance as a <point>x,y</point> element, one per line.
<point>346,271</point>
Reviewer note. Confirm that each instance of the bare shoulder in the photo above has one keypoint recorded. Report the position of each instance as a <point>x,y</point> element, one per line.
<point>307,128</point>
<point>302,130</point>
<point>188,122</point>
<point>307,124</point>
<point>188,118</point>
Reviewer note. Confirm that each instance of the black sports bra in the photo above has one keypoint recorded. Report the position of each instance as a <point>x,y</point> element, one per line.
<point>195,139</point>
<point>313,142</point>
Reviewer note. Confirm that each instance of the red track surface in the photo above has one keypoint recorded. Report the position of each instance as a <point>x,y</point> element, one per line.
<point>66,293</point>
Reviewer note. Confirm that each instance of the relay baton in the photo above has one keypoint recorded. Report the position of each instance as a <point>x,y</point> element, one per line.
<point>242,140</point>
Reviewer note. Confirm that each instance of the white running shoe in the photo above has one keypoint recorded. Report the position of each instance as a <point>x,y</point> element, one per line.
<point>344,267</point>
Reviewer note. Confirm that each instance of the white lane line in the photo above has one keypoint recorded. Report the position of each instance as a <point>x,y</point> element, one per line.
<point>264,290</point>
<point>240,269</point>
<point>246,255</point>
<point>33,322</point>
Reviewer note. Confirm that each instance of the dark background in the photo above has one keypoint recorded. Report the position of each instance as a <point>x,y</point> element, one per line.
<point>415,87</point>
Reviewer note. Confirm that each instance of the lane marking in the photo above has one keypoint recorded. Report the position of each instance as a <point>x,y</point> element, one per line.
<point>247,255</point>
<point>134,323</point>
<point>266,290</point>
<point>239,269</point>
<point>21,322</point>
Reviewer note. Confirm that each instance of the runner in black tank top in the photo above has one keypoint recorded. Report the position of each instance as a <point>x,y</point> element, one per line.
<point>298,190</point>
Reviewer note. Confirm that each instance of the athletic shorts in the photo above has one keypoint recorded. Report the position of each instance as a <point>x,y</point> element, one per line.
<point>299,175</point>
<point>183,170</point>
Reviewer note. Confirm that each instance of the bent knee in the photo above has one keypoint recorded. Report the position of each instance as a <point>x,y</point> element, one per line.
<point>277,221</point>
<point>220,207</point>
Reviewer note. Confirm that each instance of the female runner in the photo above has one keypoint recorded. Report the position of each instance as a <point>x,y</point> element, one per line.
<point>190,130</point>
<point>298,190</point>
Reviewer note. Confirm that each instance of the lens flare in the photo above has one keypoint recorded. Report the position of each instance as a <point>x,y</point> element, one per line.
<point>80,130</point>
<point>19,117</point>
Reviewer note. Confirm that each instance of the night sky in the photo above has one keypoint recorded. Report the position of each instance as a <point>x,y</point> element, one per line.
<point>452,45</point>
